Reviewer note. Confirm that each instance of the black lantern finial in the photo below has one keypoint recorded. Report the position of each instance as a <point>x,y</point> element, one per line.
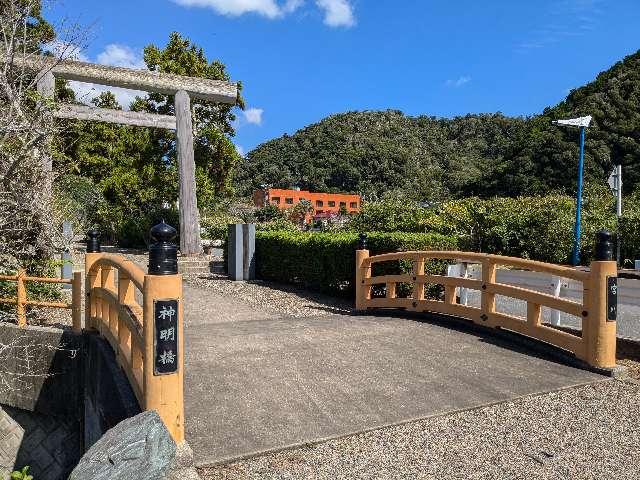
<point>93,241</point>
<point>604,246</point>
<point>163,252</point>
<point>362,241</point>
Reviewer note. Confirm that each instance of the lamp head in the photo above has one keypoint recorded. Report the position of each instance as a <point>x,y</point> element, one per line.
<point>575,122</point>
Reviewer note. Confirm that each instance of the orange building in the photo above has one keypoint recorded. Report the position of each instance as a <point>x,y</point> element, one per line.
<point>323,203</point>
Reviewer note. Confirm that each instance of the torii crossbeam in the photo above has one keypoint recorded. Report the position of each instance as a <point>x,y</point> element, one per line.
<point>183,88</point>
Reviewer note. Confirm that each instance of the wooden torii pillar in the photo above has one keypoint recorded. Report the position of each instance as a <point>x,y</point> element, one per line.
<point>181,87</point>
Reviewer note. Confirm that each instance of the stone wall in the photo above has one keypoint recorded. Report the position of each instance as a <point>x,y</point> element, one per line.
<point>50,445</point>
<point>108,396</point>
<point>59,393</point>
<point>40,369</point>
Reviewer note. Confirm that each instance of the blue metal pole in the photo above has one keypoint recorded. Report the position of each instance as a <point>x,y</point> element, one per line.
<point>575,258</point>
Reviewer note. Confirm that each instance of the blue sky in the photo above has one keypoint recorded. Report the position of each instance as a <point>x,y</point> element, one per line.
<point>301,60</point>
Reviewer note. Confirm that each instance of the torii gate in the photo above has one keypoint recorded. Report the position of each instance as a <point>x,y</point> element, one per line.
<point>181,87</point>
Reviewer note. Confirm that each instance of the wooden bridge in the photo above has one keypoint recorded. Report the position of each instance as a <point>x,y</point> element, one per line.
<point>596,344</point>
<point>142,316</point>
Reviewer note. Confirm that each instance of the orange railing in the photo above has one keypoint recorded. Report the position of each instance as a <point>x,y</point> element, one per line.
<point>113,286</point>
<point>21,301</point>
<point>597,342</point>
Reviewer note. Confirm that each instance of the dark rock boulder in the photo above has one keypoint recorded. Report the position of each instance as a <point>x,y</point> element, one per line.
<point>140,447</point>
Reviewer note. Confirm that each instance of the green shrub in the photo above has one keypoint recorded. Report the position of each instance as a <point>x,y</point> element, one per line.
<point>216,228</point>
<point>326,261</point>
<point>133,231</point>
<point>269,213</point>
<point>35,290</point>
<point>393,215</point>
<point>21,474</point>
<point>630,232</point>
<point>278,224</point>
<point>538,228</point>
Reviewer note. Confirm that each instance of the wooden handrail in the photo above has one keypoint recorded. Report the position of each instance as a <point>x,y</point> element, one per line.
<point>437,279</point>
<point>111,309</point>
<point>596,346</point>
<point>21,301</point>
<point>533,296</point>
<point>473,257</point>
<point>435,254</point>
<point>134,272</point>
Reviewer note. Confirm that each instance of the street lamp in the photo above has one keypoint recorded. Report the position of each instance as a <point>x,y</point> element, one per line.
<point>582,123</point>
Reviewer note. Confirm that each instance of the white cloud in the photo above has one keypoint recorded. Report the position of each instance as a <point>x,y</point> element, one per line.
<point>253,115</point>
<point>241,151</point>
<point>337,13</point>
<point>120,56</point>
<point>291,6</point>
<point>458,82</point>
<point>234,8</point>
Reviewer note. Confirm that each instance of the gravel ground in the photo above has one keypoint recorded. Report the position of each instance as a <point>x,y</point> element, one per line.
<point>537,437</point>
<point>273,297</point>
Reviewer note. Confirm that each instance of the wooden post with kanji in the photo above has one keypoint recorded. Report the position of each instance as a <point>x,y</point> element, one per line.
<point>163,332</point>
<point>165,337</point>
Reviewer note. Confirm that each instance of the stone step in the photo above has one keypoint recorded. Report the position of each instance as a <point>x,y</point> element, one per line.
<point>200,267</point>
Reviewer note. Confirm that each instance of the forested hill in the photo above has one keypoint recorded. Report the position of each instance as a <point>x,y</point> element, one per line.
<point>432,158</point>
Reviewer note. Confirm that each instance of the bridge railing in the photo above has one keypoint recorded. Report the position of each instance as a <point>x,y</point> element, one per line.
<point>597,343</point>
<point>147,339</point>
<point>21,301</point>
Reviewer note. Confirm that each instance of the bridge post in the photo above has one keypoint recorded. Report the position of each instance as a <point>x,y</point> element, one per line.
<point>488,299</point>
<point>363,292</point>
<point>163,332</point>
<point>91,280</point>
<point>599,319</point>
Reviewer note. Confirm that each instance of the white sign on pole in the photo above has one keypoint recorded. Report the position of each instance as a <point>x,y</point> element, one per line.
<point>613,180</point>
<point>615,183</point>
<point>575,122</point>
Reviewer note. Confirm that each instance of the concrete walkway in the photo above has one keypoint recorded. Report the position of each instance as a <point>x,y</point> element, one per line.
<point>257,381</point>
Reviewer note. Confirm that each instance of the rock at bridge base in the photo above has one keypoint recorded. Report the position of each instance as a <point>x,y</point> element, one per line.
<point>182,466</point>
<point>140,447</point>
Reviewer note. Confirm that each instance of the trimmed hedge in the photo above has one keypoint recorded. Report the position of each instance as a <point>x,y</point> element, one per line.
<point>325,261</point>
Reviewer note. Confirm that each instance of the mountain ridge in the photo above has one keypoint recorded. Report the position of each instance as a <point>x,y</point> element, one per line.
<point>487,154</point>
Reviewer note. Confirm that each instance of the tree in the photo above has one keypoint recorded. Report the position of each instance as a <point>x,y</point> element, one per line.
<point>269,213</point>
<point>27,227</point>
<point>127,165</point>
<point>215,154</point>
<point>301,211</point>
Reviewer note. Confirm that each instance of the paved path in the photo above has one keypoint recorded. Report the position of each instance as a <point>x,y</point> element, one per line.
<point>256,381</point>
